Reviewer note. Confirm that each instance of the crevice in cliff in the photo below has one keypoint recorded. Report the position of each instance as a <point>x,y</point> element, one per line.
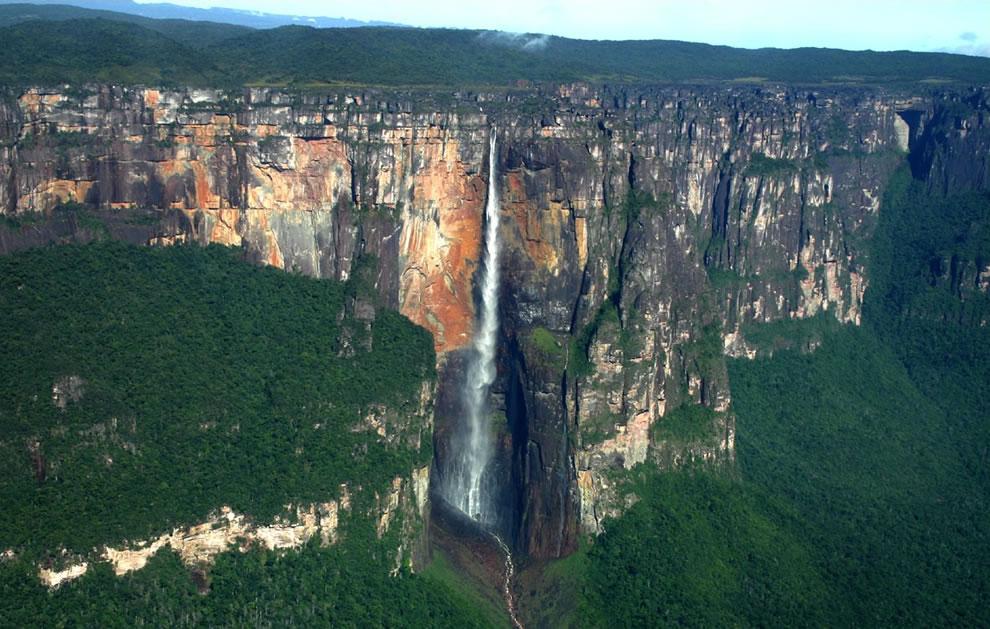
<point>630,218</point>
<point>566,455</point>
<point>717,252</point>
<point>12,188</point>
<point>239,188</point>
<point>631,173</point>
<point>802,211</point>
<point>917,133</point>
<point>355,195</point>
<point>516,416</point>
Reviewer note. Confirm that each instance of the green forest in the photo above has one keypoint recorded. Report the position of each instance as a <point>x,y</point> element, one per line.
<point>80,46</point>
<point>340,586</point>
<point>858,502</point>
<point>205,381</point>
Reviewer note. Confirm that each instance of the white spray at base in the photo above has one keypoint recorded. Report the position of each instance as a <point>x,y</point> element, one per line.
<point>464,482</point>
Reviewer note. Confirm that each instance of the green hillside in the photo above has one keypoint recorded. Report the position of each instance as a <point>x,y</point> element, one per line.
<point>316,587</point>
<point>187,32</point>
<point>173,51</point>
<point>97,50</point>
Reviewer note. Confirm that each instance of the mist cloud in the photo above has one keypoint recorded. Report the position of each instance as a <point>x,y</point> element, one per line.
<point>519,41</point>
<point>973,47</point>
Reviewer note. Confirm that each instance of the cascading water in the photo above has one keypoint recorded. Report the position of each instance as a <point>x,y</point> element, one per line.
<point>464,482</point>
<point>510,571</point>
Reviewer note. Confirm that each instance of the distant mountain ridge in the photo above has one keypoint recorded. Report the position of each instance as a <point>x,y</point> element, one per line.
<point>47,44</point>
<point>168,11</point>
<point>50,18</point>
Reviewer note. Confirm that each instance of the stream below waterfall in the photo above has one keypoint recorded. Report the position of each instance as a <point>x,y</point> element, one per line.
<point>510,569</point>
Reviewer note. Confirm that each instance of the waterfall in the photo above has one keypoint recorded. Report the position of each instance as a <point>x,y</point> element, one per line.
<point>472,452</point>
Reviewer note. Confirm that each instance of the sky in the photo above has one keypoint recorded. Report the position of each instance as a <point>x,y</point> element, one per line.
<point>924,25</point>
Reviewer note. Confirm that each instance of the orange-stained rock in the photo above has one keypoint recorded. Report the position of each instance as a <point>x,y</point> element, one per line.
<point>224,228</point>
<point>540,228</point>
<point>204,135</point>
<point>315,174</point>
<point>440,245</point>
<point>151,98</point>
<point>205,198</point>
<point>279,189</point>
<point>30,102</point>
<point>263,130</point>
<point>581,233</point>
<point>176,175</point>
<point>54,191</point>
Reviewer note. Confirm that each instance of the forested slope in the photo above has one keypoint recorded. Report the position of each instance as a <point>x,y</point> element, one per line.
<point>142,389</point>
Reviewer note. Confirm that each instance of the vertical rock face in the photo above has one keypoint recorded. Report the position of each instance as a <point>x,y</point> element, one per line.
<point>304,184</point>
<point>950,142</point>
<point>642,229</point>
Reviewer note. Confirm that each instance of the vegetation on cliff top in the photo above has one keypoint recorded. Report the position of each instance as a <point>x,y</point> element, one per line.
<point>105,46</point>
<point>93,51</point>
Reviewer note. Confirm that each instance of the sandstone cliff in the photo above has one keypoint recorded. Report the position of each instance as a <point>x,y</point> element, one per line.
<point>644,229</point>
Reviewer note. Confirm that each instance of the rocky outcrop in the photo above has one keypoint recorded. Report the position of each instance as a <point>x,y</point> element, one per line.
<point>643,228</point>
<point>67,389</point>
<point>198,545</point>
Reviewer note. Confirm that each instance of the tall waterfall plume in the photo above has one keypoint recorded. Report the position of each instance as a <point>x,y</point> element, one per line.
<point>465,477</point>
